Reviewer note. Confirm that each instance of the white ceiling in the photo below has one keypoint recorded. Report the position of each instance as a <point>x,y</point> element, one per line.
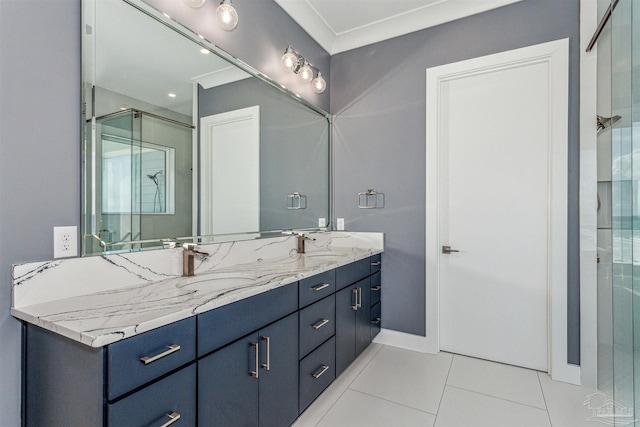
<point>341,25</point>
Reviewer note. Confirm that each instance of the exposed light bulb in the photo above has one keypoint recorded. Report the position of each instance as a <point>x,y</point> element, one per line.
<point>289,60</point>
<point>319,85</point>
<point>306,73</point>
<point>195,3</point>
<point>226,15</point>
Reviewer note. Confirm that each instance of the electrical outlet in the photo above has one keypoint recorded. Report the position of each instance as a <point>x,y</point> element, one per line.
<point>340,224</point>
<point>322,222</point>
<point>65,241</point>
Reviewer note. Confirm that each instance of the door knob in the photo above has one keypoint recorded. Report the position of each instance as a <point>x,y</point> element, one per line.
<point>448,250</point>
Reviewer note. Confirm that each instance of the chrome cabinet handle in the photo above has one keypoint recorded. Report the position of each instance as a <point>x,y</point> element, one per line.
<point>320,287</point>
<point>320,324</point>
<point>376,263</point>
<point>359,303</point>
<point>255,373</point>
<point>376,288</point>
<point>322,371</point>
<point>267,366</point>
<point>149,359</point>
<point>448,250</point>
<point>173,417</point>
<point>376,321</point>
<point>355,305</point>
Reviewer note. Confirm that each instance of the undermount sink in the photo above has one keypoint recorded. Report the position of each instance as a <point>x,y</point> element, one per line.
<point>208,283</point>
<point>325,254</point>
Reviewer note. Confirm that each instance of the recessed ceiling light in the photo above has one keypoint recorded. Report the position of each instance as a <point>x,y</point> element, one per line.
<point>172,95</point>
<point>204,51</point>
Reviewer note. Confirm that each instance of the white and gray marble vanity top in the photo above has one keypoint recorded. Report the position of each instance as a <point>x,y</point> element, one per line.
<point>101,300</point>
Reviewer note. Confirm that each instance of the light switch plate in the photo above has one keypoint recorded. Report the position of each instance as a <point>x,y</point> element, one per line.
<point>340,224</point>
<point>322,222</point>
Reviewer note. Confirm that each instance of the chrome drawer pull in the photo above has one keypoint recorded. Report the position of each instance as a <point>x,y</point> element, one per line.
<point>174,416</point>
<point>148,359</point>
<point>376,288</point>
<point>359,303</point>
<point>320,287</point>
<point>354,306</point>
<point>319,374</point>
<point>255,373</point>
<point>320,324</point>
<point>267,366</point>
<point>376,321</point>
<point>377,263</point>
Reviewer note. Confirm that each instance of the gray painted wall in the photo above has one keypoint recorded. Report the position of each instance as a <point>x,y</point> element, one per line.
<point>294,151</point>
<point>39,152</point>
<point>378,95</point>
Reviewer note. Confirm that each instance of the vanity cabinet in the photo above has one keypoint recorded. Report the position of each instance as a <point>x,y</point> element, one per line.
<point>260,361</point>
<point>355,327</point>
<point>252,382</point>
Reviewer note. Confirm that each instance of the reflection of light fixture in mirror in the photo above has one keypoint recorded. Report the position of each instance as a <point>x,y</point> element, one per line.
<point>195,3</point>
<point>226,15</point>
<point>204,51</point>
<point>172,95</point>
<point>294,62</point>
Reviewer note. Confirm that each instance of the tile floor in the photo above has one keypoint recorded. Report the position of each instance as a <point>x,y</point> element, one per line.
<point>391,387</point>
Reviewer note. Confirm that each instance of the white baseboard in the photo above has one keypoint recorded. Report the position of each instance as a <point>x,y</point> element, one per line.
<point>404,340</point>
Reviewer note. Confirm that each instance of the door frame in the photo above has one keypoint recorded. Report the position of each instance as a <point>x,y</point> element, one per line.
<point>556,55</point>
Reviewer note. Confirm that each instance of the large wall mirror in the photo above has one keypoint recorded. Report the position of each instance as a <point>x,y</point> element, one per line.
<point>183,140</point>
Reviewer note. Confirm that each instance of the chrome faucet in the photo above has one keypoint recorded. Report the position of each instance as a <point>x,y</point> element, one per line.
<point>189,253</point>
<point>302,237</point>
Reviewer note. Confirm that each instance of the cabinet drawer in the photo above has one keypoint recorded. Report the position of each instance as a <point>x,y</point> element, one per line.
<point>376,320</point>
<point>165,348</point>
<point>226,324</point>
<point>317,371</point>
<point>317,324</point>
<point>351,273</point>
<point>156,404</point>
<point>376,288</point>
<point>376,263</point>
<point>315,288</point>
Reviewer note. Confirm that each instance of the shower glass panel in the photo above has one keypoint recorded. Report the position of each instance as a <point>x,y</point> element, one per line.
<point>619,214</point>
<point>140,167</point>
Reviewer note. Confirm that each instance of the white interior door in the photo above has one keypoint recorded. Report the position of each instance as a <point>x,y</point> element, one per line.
<point>494,202</point>
<point>230,172</point>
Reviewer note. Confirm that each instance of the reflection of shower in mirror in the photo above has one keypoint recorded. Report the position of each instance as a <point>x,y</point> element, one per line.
<point>157,198</point>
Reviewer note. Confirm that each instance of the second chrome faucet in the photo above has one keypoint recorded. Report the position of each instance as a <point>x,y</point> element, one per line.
<point>189,253</point>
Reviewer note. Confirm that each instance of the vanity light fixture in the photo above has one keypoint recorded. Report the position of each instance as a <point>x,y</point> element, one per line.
<point>293,62</point>
<point>226,15</point>
<point>204,51</point>
<point>172,95</point>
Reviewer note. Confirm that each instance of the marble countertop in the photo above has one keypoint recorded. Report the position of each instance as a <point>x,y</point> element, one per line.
<point>105,316</point>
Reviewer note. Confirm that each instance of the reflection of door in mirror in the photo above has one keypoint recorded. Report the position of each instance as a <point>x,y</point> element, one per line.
<point>141,166</point>
<point>230,172</point>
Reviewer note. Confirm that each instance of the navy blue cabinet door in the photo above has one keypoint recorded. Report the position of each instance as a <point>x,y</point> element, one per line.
<point>227,391</point>
<point>278,398</point>
<point>363,316</point>
<point>345,328</point>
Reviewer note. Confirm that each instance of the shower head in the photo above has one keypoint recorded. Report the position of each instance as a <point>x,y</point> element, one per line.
<point>154,177</point>
<point>605,122</point>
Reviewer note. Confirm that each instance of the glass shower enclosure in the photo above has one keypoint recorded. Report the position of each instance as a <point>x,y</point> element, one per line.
<point>139,166</point>
<point>618,128</point>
